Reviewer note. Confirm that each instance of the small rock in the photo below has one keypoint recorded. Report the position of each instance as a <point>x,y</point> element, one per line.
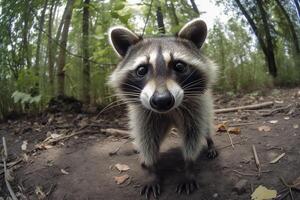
<point>215,195</point>
<point>240,187</point>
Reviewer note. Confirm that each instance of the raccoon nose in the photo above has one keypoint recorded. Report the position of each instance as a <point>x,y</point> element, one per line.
<point>162,101</point>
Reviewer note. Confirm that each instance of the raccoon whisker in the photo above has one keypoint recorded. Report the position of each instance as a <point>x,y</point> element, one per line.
<point>148,115</point>
<point>184,108</point>
<point>117,102</point>
<point>187,77</point>
<point>192,89</point>
<point>126,93</point>
<point>198,81</point>
<point>122,95</point>
<point>133,86</point>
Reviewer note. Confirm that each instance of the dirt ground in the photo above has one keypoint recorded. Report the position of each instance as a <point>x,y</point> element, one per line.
<point>46,160</point>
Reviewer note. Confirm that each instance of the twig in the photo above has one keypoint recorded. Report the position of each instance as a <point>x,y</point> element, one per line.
<point>248,174</point>
<point>4,157</point>
<point>256,160</point>
<point>248,107</point>
<point>108,131</point>
<point>276,110</point>
<point>241,124</point>
<point>288,186</point>
<point>147,19</point>
<point>231,143</point>
<point>115,132</point>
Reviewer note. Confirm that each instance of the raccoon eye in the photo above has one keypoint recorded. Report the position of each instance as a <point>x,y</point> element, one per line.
<point>142,70</point>
<point>180,67</point>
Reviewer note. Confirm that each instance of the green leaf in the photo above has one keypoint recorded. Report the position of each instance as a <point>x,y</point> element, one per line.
<point>119,5</point>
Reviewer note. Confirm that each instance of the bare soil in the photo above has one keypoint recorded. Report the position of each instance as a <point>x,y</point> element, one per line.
<point>82,166</point>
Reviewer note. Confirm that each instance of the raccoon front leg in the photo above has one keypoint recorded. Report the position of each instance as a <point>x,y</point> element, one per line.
<point>211,149</point>
<point>149,130</point>
<point>149,150</point>
<point>191,149</point>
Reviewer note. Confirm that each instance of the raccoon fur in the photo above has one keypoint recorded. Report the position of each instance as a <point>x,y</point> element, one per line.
<point>166,83</point>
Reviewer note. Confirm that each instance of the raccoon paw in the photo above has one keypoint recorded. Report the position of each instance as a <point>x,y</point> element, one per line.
<point>151,187</point>
<point>187,186</point>
<point>212,153</point>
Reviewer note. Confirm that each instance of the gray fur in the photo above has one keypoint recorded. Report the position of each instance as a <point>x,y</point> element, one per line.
<point>193,117</point>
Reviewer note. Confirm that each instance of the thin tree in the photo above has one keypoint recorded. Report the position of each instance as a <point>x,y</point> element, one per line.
<point>195,8</point>
<point>270,47</point>
<point>61,60</point>
<point>290,24</point>
<point>270,60</point>
<point>50,49</point>
<point>39,40</point>
<point>174,17</point>
<point>297,5</point>
<point>85,52</point>
<point>160,20</point>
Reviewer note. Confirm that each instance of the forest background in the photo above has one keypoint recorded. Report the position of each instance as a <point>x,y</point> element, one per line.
<point>51,48</point>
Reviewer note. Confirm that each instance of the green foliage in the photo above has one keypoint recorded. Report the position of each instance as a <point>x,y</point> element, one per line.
<point>232,45</point>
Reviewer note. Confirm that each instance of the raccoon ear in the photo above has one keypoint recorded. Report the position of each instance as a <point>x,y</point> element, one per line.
<point>121,39</point>
<point>194,31</point>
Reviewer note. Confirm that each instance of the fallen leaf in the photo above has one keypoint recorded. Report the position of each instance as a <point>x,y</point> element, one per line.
<point>234,130</point>
<point>121,179</point>
<point>24,145</point>
<point>64,171</point>
<point>295,126</point>
<point>263,193</point>
<point>39,192</point>
<point>273,121</point>
<point>122,167</point>
<point>296,184</point>
<point>264,128</point>
<point>222,127</point>
<point>275,160</point>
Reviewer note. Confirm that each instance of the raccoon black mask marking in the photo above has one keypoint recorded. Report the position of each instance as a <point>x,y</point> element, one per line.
<point>166,84</point>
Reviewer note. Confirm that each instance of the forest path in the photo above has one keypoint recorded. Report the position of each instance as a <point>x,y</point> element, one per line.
<point>82,167</point>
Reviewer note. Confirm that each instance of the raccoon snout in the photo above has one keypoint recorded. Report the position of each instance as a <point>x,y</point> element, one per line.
<point>162,101</point>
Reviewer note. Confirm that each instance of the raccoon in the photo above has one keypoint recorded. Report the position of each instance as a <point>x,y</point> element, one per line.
<point>166,83</point>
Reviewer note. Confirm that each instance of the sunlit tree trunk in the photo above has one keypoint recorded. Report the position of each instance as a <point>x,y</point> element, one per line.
<point>160,20</point>
<point>291,26</point>
<point>61,60</point>
<point>85,53</point>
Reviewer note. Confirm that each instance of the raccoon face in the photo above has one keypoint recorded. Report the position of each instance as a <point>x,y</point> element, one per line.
<point>160,73</point>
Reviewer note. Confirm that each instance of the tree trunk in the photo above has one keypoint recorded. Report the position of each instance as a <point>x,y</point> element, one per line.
<point>61,60</point>
<point>270,47</point>
<point>195,8</point>
<point>50,50</point>
<point>173,12</point>
<point>39,40</point>
<point>25,31</point>
<point>297,4</point>
<point>160,21</point>
<point>291,26</point>
<point>85,53</point>
<point>258,35</point>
